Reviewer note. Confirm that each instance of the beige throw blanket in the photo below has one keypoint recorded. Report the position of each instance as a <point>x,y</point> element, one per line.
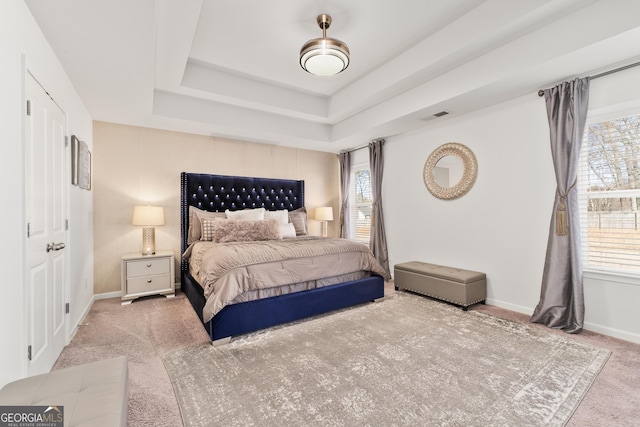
<point>227,270</point>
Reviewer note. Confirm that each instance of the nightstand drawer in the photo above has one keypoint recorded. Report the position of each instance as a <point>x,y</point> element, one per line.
<point>144,284</point>
<point>148,267</point>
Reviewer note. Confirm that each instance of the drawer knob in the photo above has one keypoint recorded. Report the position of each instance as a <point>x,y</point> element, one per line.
<point>149,280</point>
<point>149,265</point>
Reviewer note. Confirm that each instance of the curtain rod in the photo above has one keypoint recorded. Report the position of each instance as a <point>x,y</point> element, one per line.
<point>355,149</point>
<point>360,147</point>
<point>604,73</point>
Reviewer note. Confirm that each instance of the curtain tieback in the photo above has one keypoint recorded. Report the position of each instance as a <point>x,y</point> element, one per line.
<point>562,225</point>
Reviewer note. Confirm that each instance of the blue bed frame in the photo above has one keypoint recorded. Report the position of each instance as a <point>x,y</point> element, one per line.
<point>219,192</point>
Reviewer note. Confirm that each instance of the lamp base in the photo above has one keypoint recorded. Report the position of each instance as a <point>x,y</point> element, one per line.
<point>324,228</point>
<point>148,241</point>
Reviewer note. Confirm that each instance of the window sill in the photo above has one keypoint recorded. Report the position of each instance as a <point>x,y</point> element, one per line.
<point>627,278</point>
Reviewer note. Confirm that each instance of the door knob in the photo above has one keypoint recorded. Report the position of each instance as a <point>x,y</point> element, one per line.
<point>54,246</point>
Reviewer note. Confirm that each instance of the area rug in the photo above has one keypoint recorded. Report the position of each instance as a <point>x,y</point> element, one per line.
<point>405,361</point>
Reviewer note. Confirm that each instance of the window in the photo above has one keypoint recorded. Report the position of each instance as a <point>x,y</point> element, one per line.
<point>360,199</point>
<point>609,190</point>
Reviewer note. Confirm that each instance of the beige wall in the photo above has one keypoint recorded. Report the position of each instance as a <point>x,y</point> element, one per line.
<point>134,165</point>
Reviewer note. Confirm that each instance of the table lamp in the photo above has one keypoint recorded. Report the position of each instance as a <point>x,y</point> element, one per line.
<point>148,217</point>
<point>324,214</point>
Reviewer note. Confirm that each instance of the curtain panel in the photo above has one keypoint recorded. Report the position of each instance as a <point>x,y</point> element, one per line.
<point>378,239</point>
<point>561,302</point>
<point>345,181</point>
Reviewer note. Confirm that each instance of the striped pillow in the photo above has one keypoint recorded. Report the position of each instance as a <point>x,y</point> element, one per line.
<point>298,218</point>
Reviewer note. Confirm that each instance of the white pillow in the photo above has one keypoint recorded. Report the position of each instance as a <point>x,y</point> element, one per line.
<point>246,214</point>
<point>281,216</point>
<point>287,230</point>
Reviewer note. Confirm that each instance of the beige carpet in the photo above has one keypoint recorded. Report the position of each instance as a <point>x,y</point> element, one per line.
<point>405,361</point>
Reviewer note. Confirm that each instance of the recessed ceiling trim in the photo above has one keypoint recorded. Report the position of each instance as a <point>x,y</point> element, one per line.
<point>245,91</point>
<point>239,118</point>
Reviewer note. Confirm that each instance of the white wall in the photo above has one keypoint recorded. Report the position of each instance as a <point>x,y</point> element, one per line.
<point>22,45</point>
<point>501,226</point>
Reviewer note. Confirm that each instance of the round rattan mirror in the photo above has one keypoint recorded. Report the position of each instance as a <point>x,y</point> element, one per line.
<point>450,171</point>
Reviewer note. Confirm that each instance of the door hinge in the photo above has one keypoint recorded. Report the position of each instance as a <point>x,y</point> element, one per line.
<point>29,352</point>
<point>28,107</point>
<point>66,308</point>
<point>66,224</point>
<point>28,229</point>
<point>66,141</point>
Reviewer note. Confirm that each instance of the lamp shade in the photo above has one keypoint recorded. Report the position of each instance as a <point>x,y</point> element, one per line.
<point>148,215</point>
<point>324,213</point>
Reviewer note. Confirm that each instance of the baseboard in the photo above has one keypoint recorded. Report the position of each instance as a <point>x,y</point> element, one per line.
<point>84,315</point>
<point>107,295</point>
<point>513,307</point>
<point>118,294</point>
<point>612,332</point>
<point>588,326</point>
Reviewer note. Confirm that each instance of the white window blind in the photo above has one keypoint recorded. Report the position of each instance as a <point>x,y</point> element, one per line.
<point>360,199</point>
<point>609,191</point>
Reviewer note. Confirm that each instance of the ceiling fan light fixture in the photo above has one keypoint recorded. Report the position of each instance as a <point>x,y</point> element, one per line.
<point>324,56</point>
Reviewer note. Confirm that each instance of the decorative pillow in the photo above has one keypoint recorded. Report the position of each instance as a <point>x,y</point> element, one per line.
<point>287,230</point>
<point>239,230</point>
<point>298,218</point>
<point>195,222</point>
<point>281,216</point>
<point>246,214</point>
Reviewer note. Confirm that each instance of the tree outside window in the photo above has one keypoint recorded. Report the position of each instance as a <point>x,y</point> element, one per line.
<point>611,188</point>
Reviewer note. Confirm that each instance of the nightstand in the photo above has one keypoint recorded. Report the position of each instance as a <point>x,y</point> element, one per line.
<point>144,275</point>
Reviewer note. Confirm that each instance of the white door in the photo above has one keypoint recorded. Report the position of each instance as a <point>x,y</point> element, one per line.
<point>46,216</point>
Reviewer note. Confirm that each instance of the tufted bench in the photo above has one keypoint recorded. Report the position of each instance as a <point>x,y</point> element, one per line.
<point>94,394</point>
<point>461,287</point>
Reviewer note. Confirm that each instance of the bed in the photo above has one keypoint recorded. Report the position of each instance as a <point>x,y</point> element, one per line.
<point>220,193</point>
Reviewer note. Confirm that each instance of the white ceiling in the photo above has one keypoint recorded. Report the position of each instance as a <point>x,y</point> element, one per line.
<point>229,68</point>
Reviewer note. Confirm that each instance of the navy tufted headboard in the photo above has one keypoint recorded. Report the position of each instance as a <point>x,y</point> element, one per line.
<point>215,193</point>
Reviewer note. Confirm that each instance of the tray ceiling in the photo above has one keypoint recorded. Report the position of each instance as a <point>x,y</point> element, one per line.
<point>230,68</point>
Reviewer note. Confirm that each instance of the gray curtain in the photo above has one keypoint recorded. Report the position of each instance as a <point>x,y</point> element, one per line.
<point>345,178</point>
<point>562,298</point>
<point>378,240</point>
